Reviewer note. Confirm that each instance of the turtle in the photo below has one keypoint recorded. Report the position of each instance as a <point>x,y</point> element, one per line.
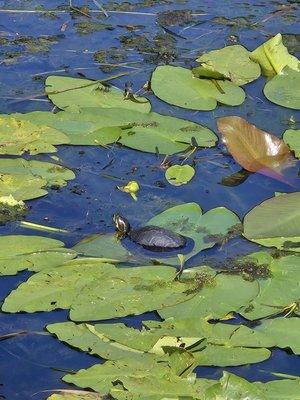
<point>151,237</point>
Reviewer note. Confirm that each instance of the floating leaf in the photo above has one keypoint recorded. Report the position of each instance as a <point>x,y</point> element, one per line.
<point>19,252</point>
<point>254,149</point>
<point>178,175</point>
<point>235,179</point>
<point>18,137</point>
<point>132,187</point>
<point>22,186</point>
<point>273,57</point>
<point>215,297</point>
<point>53,174</point>
<point>275,222</point>
<point>118,342</point>
<point>283,89</point>
<point>105,246</point>
<point>277,332</point>
<point>292,138</point>
<point>277,293</point>
<point>234,388</point>
<point>205,229</point>
<point>231,62</point>
<point>55,288</point>
<point>128,291</point>
<point>177,86</point>
<point>66,92</point>
<point>75,285</point>
<point>150,132</point>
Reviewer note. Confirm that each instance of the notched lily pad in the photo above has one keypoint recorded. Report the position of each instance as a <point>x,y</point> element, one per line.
<point>231,62</point>
<point>178,86</point>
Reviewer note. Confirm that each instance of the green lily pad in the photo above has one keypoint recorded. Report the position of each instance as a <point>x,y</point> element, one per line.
<point>66,92</point>
<point>205,229</point>
<point>55,288</point>
<point>18,137</point>
<point>140,379</point>
<point>234,388</point>
<point>118,342</point>
<point>78,129</point>
<point>103,246</point>
<point>75,285</point>
<point>277,332</point>
<point>273,57</point>
<point>275,222</point>
<point>231,62</point>
<point>292,138</point>
<point>53,174</point>
<point>19,252</point>
<point>277,293</point>
<point>215,297</point>
<point>178,175</point>
<point>177,86</point>
<point>128,291</point>
<point>22,186</point>
<point>282,89</point>
<point>146,132</point>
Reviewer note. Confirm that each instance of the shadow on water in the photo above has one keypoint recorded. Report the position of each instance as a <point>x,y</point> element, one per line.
<point>29,363</point>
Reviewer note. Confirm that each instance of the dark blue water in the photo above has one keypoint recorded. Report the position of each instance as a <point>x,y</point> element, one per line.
<point>29,364</point>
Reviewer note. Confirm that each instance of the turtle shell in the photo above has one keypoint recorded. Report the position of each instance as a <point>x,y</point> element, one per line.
<point>157,238</point>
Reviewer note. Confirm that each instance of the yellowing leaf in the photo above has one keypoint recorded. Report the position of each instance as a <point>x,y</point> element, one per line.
<point>273,56</point>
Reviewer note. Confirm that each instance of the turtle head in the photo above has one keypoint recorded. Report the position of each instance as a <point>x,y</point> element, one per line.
<point>121,223</point>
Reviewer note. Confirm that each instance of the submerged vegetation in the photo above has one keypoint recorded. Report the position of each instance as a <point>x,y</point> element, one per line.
<point>216,314</point>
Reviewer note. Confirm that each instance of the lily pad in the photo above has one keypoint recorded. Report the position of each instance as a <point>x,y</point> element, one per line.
<point>75,285</point>
<point>55,288</point>
<point>22,186</point>
<point>19,252</point>
<point>292,138</point>
<point>178,86</point>
<point>18,137</point>
<point>231,62</point>
<point>66,92</point>
<point>103,246</point>
<point>118,342</point>
<point>215,298</point>
<point>178,175</point>
<point>273,57</point>
<point>53,174</point>
<point>277,293</point>
<point>150,132</point>
<point>275,222</point>
<point>205,229</point>
<point>140,380</point>
<point>282,89</point>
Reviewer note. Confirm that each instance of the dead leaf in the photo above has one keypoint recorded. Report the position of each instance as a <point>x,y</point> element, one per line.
<point>254,149</point>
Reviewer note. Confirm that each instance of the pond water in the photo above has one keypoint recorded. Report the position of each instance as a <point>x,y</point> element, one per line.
<point>34,363</point>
